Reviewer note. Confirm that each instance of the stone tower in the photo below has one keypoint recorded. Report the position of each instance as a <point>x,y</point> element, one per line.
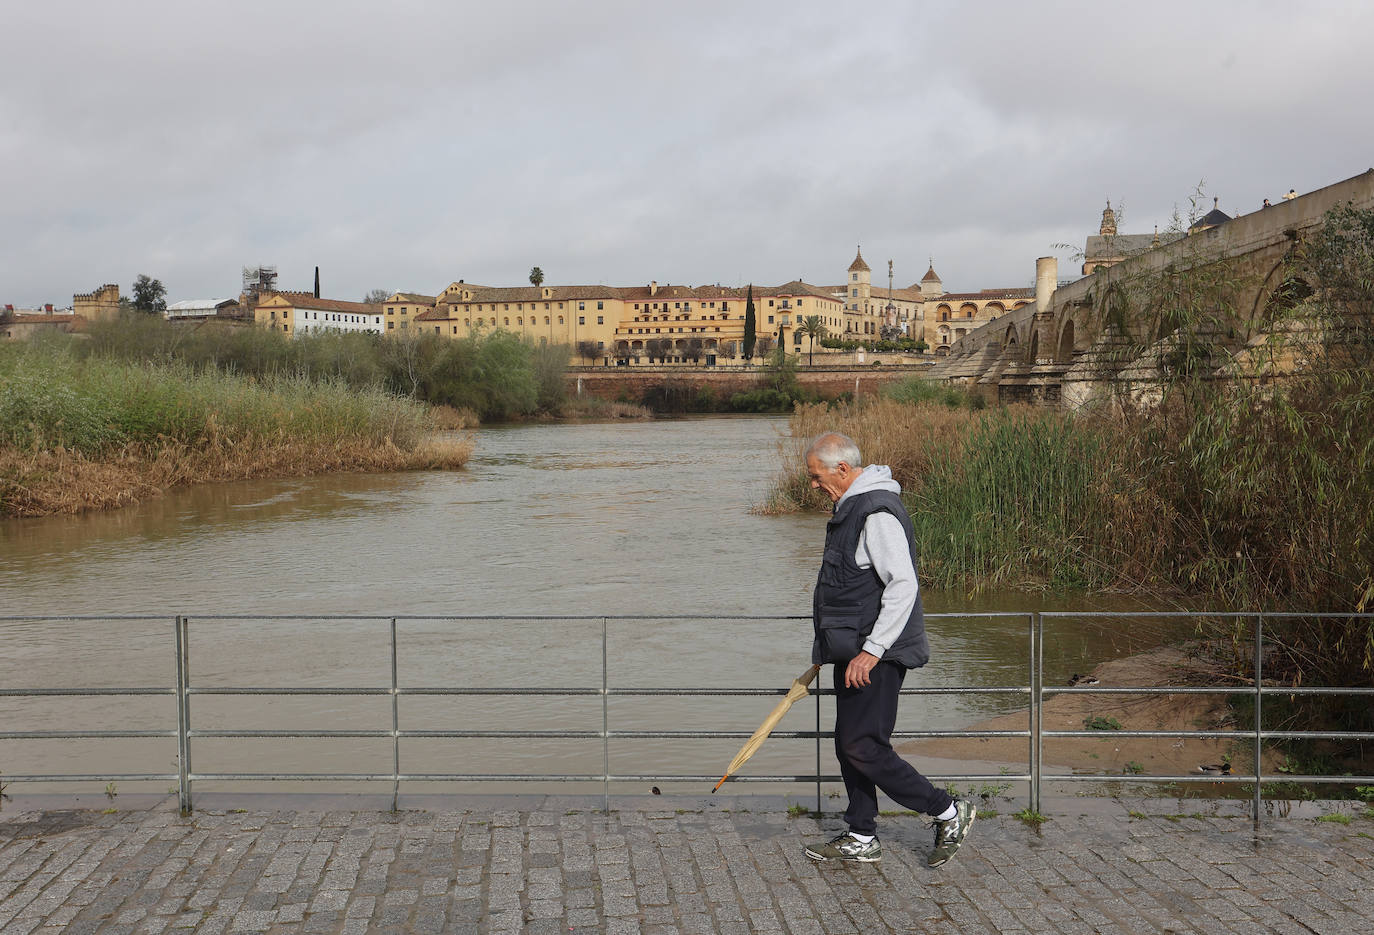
<point>1108,228</point>
<point>100,305</point>
<point>931,286</point>
<point>860,285</point>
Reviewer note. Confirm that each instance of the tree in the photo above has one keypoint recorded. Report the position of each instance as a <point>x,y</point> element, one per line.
<point>812,327</point>
<point>749,325</point>
<point>658,347</point>
<point>694,348</point>
<point>376,297</point>
<point>536,277</point>
<point>149,295</point>
<point>587,350</point>
<point>764,345</point>
<point>727,350</point>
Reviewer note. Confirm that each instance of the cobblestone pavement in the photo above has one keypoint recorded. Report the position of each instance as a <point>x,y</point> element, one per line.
<point>548,869</point>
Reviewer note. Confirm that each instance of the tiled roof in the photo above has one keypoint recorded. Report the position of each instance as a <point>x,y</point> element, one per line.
<point>308,300</point>
<point>632,293</point>
<point>529,294</point>
<point>931,275</point>
<point>912,294</point>
<point>986,295</point>
<point>858,265</point>
<point>414,298</point>
<point>42,318</point>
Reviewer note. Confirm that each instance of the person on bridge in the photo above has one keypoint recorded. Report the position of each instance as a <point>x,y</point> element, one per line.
<point>868,621</point>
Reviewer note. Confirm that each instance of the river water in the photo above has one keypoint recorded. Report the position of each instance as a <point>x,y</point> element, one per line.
<point>648,520</point>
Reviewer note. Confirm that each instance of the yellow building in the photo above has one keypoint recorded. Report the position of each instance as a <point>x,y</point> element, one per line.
<point>581,316</point>
<point>676,324</point>
<point>403,307</point>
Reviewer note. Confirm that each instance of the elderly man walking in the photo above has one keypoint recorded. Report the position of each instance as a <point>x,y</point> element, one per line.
<point>868,622</point>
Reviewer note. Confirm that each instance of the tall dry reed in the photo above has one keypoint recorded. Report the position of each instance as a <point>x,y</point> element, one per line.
<point>86,434</point>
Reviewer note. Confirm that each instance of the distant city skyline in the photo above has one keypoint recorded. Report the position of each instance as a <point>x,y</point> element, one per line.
<point>405,146</point>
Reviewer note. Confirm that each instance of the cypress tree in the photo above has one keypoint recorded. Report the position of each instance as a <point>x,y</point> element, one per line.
<point>749,325</point>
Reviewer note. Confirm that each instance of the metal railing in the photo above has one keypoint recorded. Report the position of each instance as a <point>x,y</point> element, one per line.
<point>1035,693</point>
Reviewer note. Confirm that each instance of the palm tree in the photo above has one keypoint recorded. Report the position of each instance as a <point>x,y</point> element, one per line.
<point>536,277</point>
<point>811,326</point>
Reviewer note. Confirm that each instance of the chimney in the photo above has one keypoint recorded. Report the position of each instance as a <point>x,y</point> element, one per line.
<point>653,287</point>
<point>317,282</point>
<point>1046,278</point>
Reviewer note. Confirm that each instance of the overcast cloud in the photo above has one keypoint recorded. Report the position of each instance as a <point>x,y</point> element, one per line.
<point>405,145</point>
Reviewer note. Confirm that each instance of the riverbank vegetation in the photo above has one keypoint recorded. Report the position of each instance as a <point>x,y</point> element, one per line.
<point>1253,491</point>
<point>496,375</point>
<point>776,389</point>
<point>80,432</point>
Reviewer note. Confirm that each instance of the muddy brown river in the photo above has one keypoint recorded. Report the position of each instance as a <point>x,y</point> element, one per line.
<point>648,521</point>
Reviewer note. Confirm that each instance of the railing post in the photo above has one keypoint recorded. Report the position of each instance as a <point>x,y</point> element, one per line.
<point>605,726</point>
<point>1037,679</point>
<point>1259,720</point>
<point>183,717</point>
<point>818,744</point>
<point>395,725</point>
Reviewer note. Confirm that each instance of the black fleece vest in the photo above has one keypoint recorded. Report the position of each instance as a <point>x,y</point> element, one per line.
<point>848,598</point>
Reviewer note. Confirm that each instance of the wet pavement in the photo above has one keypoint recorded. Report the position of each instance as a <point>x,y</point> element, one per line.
<point>554,866</point>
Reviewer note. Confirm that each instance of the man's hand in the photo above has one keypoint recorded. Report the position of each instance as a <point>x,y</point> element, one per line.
<point>856,674</point>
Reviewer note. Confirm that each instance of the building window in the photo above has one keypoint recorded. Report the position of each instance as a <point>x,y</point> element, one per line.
<point>600,319</point>
<point>581,306</point>
<point>508,320</point>
<point>599,306</point>
<point>581,319</point>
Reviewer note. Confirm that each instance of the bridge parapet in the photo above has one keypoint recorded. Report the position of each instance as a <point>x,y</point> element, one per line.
<point>1064,338</point>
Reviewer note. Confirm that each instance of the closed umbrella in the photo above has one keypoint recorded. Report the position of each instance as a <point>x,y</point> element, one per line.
<point>800,689</point>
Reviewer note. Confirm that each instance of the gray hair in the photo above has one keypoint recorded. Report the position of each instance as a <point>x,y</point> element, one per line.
<point>832,448</point>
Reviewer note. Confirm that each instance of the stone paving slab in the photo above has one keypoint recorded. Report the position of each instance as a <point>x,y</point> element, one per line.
<point>670,870</point>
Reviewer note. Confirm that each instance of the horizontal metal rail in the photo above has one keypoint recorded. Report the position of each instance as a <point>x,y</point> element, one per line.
<point>1035,733</point>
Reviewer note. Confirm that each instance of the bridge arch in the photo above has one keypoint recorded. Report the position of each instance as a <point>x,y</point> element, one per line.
<point>1065,352</point>
<point>1283,288</point>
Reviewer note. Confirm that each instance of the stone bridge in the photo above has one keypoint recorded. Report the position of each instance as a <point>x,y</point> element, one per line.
<point>1053,352</point>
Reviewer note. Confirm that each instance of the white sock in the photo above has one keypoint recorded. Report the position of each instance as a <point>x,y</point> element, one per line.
<point>862,838</point>
<point>947,814</point>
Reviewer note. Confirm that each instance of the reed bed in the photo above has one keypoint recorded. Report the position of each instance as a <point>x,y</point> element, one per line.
<point>92,434</point>
<point>907,438</point>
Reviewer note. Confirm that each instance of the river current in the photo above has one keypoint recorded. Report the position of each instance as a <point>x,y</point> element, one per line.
<point>647,520</point>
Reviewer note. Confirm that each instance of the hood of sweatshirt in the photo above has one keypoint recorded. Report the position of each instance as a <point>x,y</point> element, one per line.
<point>873,477</point>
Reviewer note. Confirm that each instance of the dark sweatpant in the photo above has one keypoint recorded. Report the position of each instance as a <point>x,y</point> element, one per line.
<point>864,721</point>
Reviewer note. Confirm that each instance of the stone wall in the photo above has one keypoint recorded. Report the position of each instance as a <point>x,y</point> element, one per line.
<point>615,383</point>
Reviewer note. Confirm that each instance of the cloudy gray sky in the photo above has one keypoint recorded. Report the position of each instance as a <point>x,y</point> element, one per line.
<point>404,145</point>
